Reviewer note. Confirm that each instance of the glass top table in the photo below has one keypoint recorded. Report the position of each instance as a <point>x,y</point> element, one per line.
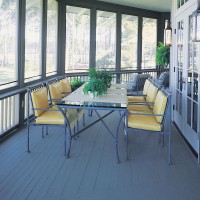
<point>116,97</point>
<point>114,100</point>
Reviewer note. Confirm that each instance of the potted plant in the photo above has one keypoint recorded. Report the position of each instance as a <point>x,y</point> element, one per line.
<point>99,82</point>
<point>162,57</point>
<point>76,83</point>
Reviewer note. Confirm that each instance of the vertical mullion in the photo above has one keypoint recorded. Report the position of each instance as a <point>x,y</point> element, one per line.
<point>61,37</point>
<point>118,46</point>
<point>139,44</point>
<point>20,50</point>
<point>44,39</point>
<point>93,19</point>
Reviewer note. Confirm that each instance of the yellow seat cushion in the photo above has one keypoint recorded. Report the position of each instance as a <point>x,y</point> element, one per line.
<point>139,108</point>
<point>146,86</point>
<point>160,106</point>
<point>55,117</point>
<point>136,98</point>
<point>151,93</point>
<point>66,87</point>
<point>143,122</point>
<point>40,100</point>
<point>56,90</point>
<point>140,98</point>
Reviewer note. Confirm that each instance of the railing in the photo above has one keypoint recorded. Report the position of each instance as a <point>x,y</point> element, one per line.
<point>16,101</point>
<point>9,110</point>
<point>117,76</point>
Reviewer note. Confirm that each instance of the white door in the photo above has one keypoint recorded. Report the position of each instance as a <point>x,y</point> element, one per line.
<point>186,80</point>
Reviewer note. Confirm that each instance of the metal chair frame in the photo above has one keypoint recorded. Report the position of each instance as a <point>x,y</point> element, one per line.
<point>58,100</point>
<point>166,119</point>
<point>33,123</point>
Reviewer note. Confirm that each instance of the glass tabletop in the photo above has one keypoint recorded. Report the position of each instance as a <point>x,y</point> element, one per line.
<point>116,97</point>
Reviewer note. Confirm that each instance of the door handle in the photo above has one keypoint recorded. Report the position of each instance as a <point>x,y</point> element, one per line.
<point>184,82</point>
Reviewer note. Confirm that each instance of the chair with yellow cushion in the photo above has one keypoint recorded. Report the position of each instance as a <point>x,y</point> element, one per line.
<point>65,85</point>
<point>157,119</point>
<point>59,89</point>
<point>145,89</point>
<point>142,96</point>
<point>46,115</point>
<point>138,103</point>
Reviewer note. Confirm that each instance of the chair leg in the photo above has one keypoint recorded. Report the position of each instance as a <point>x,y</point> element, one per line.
<point>83,119</point>
<point>70,142</point>
<point>126,136</point>
<point>77,128</point>
<point>47,130</point>
<point>169,150</point>
<point>65,141</point>
<point>74,133</point>
<point>90,112</point>
<point>42,131</point>
<point>28,139</point>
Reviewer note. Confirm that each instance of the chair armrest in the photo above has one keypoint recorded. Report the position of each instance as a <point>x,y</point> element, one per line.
<point>141,103</point>
<point>136,95</point>
<point>41,109</point>
<point>51,108</point>
<point>145,114</point>
<point>56,100</point>
<point>66,92</point>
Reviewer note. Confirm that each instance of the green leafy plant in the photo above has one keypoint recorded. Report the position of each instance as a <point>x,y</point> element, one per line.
<point>96,87</point>
<point>106,77</point>
<point>163,55</point>
<point>76,83</point>
<point>99,82</point>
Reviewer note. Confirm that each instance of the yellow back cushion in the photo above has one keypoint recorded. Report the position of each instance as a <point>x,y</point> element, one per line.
<point>151,93</point>
<point>40,100</point>
<point>159,106</point>
<point>66,87</point>
<point>56,90</point>
<point>146,86</point>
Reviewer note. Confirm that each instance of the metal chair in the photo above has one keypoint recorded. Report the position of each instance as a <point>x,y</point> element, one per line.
<point>46,115</point>
<point>156,119</point>
<point>65,85</point>
<point>136,83</point>
<point>59,89</point>
<point>150,91</point>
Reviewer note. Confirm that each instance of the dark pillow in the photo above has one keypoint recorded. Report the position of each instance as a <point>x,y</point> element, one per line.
<point>164,79</point>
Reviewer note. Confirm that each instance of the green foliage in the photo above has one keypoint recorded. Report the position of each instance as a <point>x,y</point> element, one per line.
<point>100,81</point>
<point>76,83</point>
<point>162,54</point>
<point>92,73</point>
<point>106,77</point>
<point>96,87</point>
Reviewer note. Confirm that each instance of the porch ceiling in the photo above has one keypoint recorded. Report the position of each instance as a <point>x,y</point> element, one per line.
<point>155,5</point>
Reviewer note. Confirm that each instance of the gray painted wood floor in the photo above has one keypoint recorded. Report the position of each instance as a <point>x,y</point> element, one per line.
<point>91,172</point>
